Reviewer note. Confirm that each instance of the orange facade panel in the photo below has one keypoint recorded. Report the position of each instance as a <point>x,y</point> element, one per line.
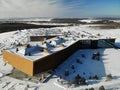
<point>18,62</point>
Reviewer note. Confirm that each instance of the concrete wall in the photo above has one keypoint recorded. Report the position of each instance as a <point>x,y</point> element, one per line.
<point>55,59</point>
<point>18,62</point>
<point>93,44</point>
<point>110,40</point>
<point>40,38</point>
<point>106,43</point>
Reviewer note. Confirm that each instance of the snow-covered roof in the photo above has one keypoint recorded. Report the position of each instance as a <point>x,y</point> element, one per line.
<point>35,51</point>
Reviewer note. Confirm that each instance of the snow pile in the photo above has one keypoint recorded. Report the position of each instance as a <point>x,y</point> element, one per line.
<point>5,68</point>
<point>89,20</point>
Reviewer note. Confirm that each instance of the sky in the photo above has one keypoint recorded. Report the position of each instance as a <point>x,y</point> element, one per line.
<point>59,8</point>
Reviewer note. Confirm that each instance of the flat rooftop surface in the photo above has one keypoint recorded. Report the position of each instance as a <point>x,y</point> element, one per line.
<point>55,44</point>
<point>50,47</point>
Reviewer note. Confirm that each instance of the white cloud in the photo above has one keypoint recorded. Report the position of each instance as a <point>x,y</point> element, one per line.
<point>29,8</point>
<point>41,8</point>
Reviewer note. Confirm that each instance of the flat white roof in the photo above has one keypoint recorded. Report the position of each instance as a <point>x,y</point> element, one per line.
<point>37,55</point>
<point>55,42</point>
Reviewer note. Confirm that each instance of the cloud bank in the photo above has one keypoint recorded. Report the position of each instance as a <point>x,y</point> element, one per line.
<point>59,8</point>
<point>29,8</point>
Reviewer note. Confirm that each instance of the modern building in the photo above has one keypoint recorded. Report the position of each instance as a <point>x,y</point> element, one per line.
<point>40,56</point>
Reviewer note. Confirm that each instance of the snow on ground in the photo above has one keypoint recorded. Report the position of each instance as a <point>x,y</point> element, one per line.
<point>118,21</point>
<point>5,68</point>
<point>89,20</point>
<point>8,83</point>
<point>108,64</point>
<point>27,19</point>
<point>47,23</point>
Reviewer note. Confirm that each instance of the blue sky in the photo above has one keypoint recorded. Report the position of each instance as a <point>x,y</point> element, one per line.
<point>92,8</point>
<point>59,8</point>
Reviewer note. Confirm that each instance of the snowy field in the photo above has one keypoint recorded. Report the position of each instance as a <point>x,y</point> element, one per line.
<point>108,63</point>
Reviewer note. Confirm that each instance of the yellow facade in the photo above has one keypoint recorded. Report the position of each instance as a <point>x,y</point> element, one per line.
<point>18,62</point>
